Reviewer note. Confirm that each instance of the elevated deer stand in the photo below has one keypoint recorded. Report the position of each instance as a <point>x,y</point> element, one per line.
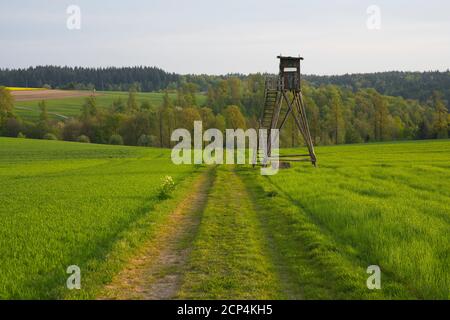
<point>277,91</point>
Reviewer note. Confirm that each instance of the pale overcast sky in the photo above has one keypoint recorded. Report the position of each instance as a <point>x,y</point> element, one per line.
<point>227,36</point>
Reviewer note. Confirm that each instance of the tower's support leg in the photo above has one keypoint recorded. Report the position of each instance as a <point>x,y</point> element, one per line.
<point>304,123</point>
<point>273,124</point>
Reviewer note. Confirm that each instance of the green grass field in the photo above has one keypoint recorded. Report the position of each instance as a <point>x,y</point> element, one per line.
<point>305,233</point>
<point>380,204</point>
<point>70,107</point>
<point>66,203</point>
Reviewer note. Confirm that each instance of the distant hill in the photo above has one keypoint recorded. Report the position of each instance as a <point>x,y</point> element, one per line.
<point>409,85</point>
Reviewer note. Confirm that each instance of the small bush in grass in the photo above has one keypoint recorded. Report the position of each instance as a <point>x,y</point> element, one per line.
<point>83,139</point>
<point>167,186</point>
<point>272,194</point>
<point>145,140</point>
<point>50,136</point>
<point>116,139</point>
<point>21,135</point>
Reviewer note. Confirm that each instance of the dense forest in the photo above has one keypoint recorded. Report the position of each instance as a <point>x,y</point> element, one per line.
<point>409,85</point>
<point>336,114</point>
<point>339,114</point>
<point>341,109</point>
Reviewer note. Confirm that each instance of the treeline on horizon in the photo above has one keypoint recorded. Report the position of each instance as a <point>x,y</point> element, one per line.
<point>105,79</point>
<point>409,85</point>
<point>336,115</point>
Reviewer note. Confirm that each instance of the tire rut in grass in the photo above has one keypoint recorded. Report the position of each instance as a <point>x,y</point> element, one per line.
<point>156,273</point>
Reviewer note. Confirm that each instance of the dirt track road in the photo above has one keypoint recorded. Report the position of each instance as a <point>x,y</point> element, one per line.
<point>157,272</point>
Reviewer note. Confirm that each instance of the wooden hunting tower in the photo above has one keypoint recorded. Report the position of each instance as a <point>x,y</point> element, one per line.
<point>283,98</point>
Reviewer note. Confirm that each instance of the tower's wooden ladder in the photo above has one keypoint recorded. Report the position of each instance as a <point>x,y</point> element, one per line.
<point>272,100</point>
<point>270,104</point>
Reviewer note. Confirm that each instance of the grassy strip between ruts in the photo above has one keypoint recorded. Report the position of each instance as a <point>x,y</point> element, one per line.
<point>129,243</point>
<point>309,257</point>
<point>229,258</point>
